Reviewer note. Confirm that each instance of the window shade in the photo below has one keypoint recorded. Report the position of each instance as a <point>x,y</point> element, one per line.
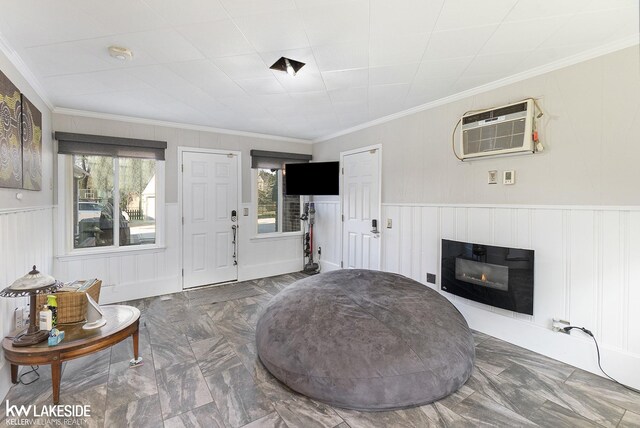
<point>84,144</point>
<point>275,160</point>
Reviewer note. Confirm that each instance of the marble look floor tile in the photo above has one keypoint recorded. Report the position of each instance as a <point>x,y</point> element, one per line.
<point>607,390</point>
<point>222,310</point>
<point>479,337</point>
<point>197,328</point>
<point>238,398</point>
<point>175,350</point>
<point>500,353</point>
<point>214,354</point>
<point>303,412</point>
<point>630,420</point>
<point>37,392</point>
<point>272,420</point>
<point>588,405</point>
<point>481,410</point>
<point>85,372</point>
<point>553,415</point>
<point>509,395</point>
<point>222,293</point>
<point>181,387</point>
<point>127,384</point>
<point>141,413</point>
<point>451,400</point>
<point>277,391</point>
<point>236,331</point>
<point>95,397</point>
<point>343,425</point>
<point>250,313</point>
<point>249,357</point>
<point>407,418</point>
<point>442,416</point>
<point>206,416</point>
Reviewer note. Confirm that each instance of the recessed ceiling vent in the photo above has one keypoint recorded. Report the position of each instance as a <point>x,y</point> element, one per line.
<point>288,65</point>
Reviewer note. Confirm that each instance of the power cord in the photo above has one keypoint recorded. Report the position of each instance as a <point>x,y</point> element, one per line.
<point>588,333</point>
<point>34,369</point>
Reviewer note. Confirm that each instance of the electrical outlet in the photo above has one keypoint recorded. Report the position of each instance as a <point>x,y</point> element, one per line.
<point>558,325</point>
<point>389,223</point>
<point>431,278</point>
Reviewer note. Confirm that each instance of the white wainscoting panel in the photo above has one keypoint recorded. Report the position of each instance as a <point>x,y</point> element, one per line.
<point>587,271</point>
<point>27,239</point>
<point>328,233</point>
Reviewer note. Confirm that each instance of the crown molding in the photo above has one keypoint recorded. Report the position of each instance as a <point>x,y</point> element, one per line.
<point>556,65</point>
<point>168,124</point>
<point>22,68</point>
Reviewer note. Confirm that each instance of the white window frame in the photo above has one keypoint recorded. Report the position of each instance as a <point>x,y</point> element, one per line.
<point>279,233</point>
<point>64,210</point>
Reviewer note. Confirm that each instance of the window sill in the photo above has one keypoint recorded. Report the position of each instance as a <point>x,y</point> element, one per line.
<point>276,236</point>
<point>78,254</point>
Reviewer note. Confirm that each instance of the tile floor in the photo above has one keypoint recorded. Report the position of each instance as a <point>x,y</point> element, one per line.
<point>200,370</point>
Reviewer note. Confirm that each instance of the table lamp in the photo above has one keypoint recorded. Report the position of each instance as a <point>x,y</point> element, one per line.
<point>31,284</point>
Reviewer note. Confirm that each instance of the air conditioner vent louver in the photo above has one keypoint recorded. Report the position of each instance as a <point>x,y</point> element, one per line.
<point>499,131</point>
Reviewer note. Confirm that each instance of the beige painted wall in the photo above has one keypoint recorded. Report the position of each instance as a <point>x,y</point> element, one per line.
<point>175,138</point>
<point>591,155</point>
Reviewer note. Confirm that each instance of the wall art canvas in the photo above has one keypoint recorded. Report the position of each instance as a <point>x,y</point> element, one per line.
<point>10,134</point>
<point>31,146</point>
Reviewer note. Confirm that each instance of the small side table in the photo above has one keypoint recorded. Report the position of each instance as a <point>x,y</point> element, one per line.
<point>122,322</point>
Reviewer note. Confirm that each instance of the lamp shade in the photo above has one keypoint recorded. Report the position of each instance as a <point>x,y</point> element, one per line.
<point>34,282</point>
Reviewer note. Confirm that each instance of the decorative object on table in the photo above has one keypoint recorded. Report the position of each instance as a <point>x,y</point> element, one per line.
<point>55,336</point>
<point>31,284</point>
<point>71,300</point>
<point>46,319</point>
<point>52,303</point>
<point>31,146</point>
<point>10,134</point>
<point>95,316</point>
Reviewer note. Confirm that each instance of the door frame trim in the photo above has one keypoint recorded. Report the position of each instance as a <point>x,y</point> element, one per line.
<point>181,151</point>
<point>377,147</point>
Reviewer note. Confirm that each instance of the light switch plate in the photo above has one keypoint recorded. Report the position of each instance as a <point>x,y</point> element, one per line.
<point>509,177</point>
<point>492,178</point>
<point>389,223</point>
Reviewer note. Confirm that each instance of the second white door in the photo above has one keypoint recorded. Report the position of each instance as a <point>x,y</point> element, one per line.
<point>209,200</point>
<point>361,209</point>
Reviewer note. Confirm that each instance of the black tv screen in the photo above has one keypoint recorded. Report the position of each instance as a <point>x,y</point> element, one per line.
<point>318,178</point>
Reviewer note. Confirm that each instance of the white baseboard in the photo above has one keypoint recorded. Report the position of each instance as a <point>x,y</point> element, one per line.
<point>575,349</point>
<point>246,273</point>
<point>328,266</point>
<point>139,290</point>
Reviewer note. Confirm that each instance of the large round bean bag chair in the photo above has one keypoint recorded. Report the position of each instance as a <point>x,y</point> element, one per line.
<point>365,340</point>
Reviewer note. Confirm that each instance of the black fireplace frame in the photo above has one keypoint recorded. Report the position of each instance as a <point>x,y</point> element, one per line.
<point>519,294</point>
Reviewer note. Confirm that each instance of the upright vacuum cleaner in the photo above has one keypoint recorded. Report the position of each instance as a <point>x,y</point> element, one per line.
<point>309,216</point>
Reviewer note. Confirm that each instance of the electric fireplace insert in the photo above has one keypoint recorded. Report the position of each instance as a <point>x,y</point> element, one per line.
<point>496,276</point>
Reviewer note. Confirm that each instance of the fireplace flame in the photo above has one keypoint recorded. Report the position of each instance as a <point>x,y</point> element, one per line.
<point>484,278</point>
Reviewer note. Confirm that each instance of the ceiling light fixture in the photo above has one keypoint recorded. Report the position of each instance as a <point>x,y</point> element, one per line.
<point>120,53</point>
<point>288,65</point>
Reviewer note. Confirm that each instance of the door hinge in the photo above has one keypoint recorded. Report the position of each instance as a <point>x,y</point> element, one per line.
<point>183,273</point>
<point>182,167</point>
<point>342,217</point>
<point>342,171</point>
<point>341,264</point>
<point>183,221</point>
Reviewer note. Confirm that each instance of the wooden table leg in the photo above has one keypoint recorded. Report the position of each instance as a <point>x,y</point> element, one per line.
<point>55,380</point>
<point>135,344</point>
<point>14,373</point>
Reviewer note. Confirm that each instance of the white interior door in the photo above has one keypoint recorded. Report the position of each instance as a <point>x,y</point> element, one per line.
<point>209,195</point>
<point>361,208</point>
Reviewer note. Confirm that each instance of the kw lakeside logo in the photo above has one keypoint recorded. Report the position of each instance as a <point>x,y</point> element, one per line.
<point>50,415</point>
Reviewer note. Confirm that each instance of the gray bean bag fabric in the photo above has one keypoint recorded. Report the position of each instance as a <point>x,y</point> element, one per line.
<point>365,340</point>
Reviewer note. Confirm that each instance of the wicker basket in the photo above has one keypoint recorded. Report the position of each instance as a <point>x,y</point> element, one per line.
<point>72,305</point>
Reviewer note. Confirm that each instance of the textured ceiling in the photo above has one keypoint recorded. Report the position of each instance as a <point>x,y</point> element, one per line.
<point>207,62</point>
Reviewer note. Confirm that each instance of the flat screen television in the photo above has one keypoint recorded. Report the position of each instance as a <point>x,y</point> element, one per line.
<point>316,178</point>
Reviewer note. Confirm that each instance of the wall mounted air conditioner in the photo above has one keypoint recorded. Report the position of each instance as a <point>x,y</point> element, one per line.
<point>498,131</point>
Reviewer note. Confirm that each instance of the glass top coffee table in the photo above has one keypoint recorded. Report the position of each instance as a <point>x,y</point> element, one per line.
<point>122,322</point>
